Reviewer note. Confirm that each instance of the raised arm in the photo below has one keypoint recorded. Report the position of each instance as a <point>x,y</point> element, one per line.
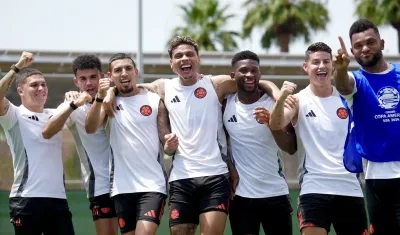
<point>286,139</point>
<point>96,115</point>
<point>281,116</point>
<point>8,79</point>
<point>343,82</point>
<point>57,122</point>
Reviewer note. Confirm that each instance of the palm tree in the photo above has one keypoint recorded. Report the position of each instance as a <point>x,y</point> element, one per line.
<point>381,12</point>
<point>205,22</point>
<point>284,21</point>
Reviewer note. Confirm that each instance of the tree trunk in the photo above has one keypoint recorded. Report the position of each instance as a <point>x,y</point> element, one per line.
<point>284,41</point>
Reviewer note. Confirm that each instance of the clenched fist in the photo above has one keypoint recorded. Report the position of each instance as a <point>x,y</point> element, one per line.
<point>82,99</point>
<point>261,115</point>
<point>171,143</point>
<point>342,60</point>
<point>25,60</point>
<point>287,89</point>
<point>104,85</point>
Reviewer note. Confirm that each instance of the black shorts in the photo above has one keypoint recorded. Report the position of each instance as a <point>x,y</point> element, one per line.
<point>34,216</point>
<point>102,207</point>
<point>132,207</point>
<point>346,214</point>
<point>383,201</point>
<point>273,213</point>
<point>191,197</point>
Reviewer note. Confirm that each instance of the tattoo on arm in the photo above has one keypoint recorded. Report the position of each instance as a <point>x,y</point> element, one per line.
<point>163,123</point>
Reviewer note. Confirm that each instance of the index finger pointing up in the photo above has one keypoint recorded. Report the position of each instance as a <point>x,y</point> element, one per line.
<point>343,46</point>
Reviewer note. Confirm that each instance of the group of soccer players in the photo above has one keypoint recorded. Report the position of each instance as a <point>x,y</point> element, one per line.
<point>224,134</point>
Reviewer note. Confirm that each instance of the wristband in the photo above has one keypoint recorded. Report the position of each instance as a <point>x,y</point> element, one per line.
<point>14,68</point>
<point>99,100</point>
<point>72,105</point>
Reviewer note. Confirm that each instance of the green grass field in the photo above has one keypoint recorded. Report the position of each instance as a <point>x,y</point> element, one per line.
<point>83,221</point>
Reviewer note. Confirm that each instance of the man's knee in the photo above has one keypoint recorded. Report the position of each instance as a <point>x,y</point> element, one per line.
<point>183,229</point>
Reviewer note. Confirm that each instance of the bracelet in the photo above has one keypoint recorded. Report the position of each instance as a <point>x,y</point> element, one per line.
<point>14,68</point>
<point>72,105</point>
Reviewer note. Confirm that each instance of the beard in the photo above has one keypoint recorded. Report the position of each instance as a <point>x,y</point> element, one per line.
<point>371,62</point>
<point>126,90</point>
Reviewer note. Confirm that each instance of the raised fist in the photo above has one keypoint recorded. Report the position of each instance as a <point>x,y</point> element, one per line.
<point>25,60</point>
<point>287,89</point>
<point>82,99</point>
<point>104,85</point>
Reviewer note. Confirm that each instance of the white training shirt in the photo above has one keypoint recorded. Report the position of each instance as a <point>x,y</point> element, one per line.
<point>254,150</point>
<point>137,160</point>
<point>38,166</point>
<point>321,136</point>
<point>195,117</point>
<point>94,152</point>
<point>377,170</point>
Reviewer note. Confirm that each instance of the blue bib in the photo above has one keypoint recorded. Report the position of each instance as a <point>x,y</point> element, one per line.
<point>376,116</point>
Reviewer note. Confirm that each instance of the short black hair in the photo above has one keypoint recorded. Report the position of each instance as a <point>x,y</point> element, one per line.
<point>119,56</point>
<point>181,40</point>
<point>24,73</point>
<point>86,61</point>
<point>362,25</point>
<point>244,55</point>
<point>315,47</point>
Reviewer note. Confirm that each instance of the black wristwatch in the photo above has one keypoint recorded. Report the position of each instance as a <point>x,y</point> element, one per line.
<point>98,99</point>
<point>72,105</point>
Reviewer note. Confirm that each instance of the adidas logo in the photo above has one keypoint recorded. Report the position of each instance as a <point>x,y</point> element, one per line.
<point>151,214</point>
<point>311,114</point>
<point>34,117</point>
<point>175,100</point>
<point>232,119</point>
<point>119,107</point>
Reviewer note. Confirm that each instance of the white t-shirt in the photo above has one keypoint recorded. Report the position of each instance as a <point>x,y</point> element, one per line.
<point>195,117</point>
<point>321,132</point>
<point>94,152</point>
<point>135,145</point>
<point>38,166</point>
<point>376,170</point>
<point>254,150</point>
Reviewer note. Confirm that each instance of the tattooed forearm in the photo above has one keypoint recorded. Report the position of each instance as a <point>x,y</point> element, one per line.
<point>164,127</point>
<point>6,82</point>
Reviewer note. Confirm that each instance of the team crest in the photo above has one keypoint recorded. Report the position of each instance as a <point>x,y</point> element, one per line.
<point>146,110</point>
<point>342,113</point>
<point>200,93</point>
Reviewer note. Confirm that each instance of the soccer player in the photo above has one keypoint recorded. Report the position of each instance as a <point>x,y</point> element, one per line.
<point>373,95</point>
<point>261,197</point>
<point>138,180</point>
<point>329,194</point>
<point>199,185</point>
<point>94,157</point>
<point>38,201</point>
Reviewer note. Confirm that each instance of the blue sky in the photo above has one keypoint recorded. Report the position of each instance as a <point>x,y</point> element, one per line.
<point>103,25</point>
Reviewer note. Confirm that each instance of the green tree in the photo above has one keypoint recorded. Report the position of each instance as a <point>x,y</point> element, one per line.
<point>284,21</point>
<point>205,22</point>
<point>381,12</point>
